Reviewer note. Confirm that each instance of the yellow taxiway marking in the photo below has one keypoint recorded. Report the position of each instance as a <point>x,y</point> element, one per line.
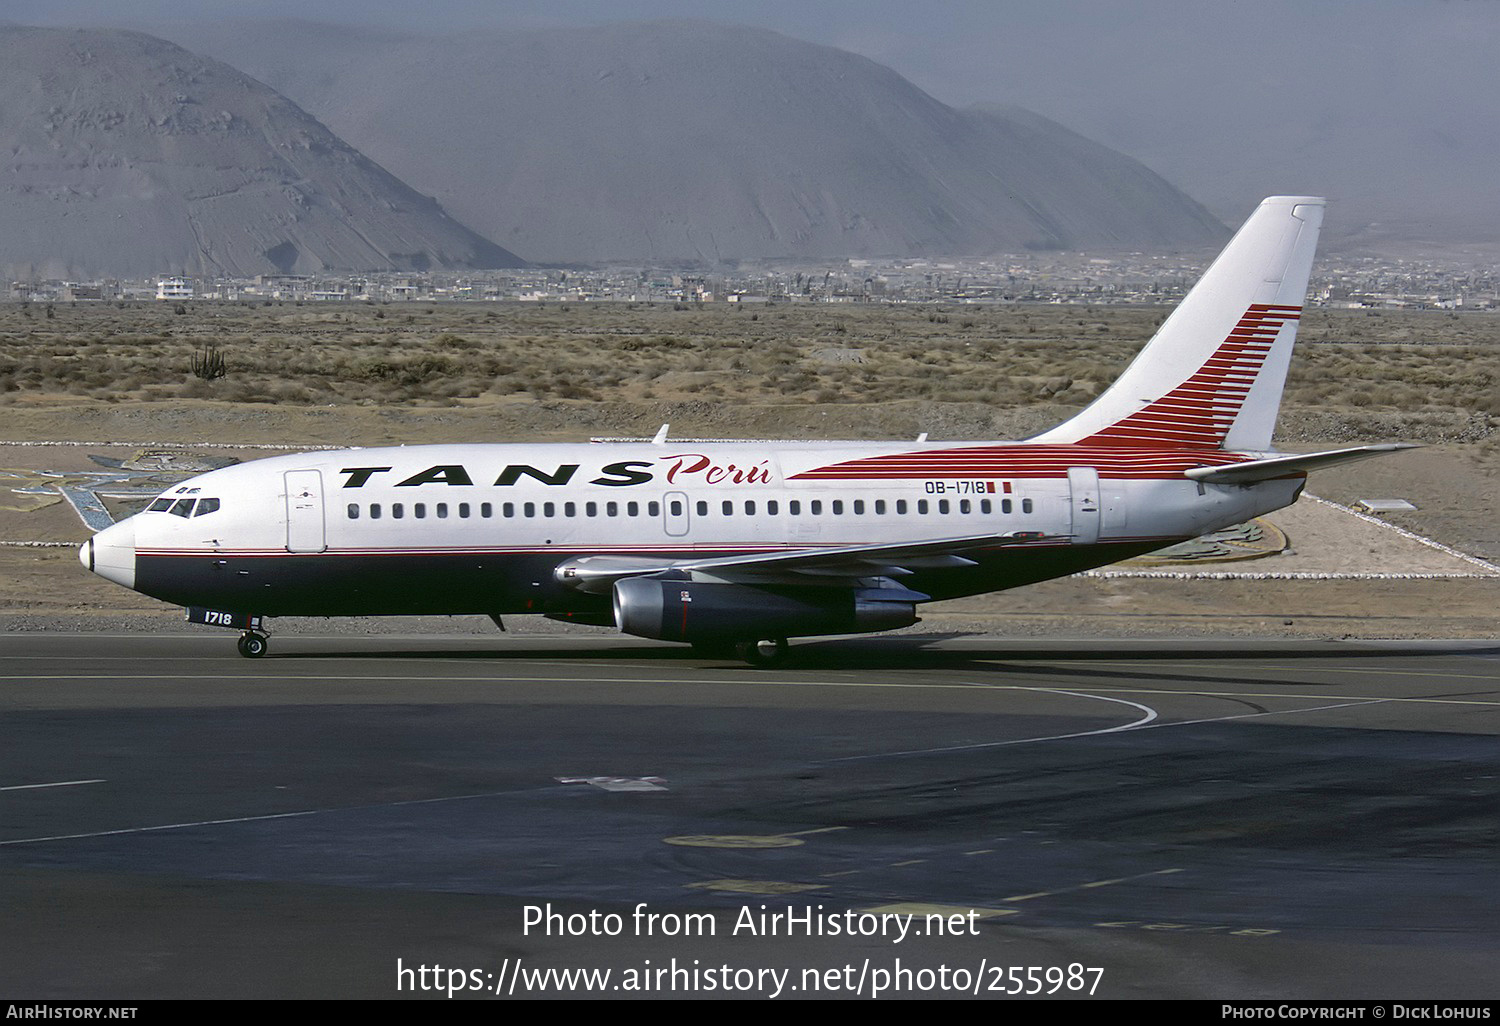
<point>1087,886</point>
<point>756,886</point>
<point>789,840</point>
<point>917,908</point>
<point>1231,931</point>
<point>732,841</point>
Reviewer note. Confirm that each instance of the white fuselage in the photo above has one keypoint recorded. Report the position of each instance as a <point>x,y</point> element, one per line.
<point>481,528</point>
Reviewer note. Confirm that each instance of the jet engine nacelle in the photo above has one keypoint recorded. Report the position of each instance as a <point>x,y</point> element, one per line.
<point>683,610</point>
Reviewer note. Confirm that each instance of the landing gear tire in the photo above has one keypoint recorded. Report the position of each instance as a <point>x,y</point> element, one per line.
<point>253,645</point>
<point>762,654</point>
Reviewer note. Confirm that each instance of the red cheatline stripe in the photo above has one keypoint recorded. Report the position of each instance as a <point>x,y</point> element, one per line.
<point>1116,457</point>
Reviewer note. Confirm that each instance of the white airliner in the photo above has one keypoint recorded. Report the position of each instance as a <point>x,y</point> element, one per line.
<point>739,546</point>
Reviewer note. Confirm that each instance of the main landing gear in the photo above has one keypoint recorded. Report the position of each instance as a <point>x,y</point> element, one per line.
<point>253,644</point>
<point>760,654</point>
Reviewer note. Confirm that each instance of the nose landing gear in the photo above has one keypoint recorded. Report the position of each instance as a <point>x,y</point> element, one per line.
<point>253,644</point>
<point>253,638</point>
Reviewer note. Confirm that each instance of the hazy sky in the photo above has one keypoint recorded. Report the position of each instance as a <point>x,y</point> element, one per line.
<point>1389,107</point>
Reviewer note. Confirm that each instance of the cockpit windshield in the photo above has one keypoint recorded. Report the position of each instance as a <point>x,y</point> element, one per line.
<point>183,507</point>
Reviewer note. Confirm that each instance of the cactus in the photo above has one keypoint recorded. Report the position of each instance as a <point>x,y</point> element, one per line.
<point>208,364</point>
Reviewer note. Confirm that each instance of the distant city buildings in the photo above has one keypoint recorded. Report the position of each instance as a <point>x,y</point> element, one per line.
<point>1132,279</point>
<point>174,288</point>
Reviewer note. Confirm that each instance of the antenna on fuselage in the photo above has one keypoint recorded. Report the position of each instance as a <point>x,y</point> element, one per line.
<point>661,435</point>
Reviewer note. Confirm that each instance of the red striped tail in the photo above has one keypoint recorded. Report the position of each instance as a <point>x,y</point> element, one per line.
<point>1199,412</point>
<point>1212,376</point>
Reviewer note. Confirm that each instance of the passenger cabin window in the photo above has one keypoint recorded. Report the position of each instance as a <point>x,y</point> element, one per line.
<point>1025,505</point>
<point>353,511</point>
<point>419,510</point>
<point>374,511</point>
<point>463,511</point>
<point>397,511</point>
<point>442,511</point>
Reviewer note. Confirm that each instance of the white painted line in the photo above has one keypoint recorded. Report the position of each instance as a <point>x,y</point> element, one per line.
<point>259,819</point>
<point>1151,714</point>
<point>60,783</point>
<point>759,684</point>
<point>1272,712</point>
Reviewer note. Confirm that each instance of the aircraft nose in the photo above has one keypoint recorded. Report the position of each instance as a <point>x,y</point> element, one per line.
<point>111,553</point>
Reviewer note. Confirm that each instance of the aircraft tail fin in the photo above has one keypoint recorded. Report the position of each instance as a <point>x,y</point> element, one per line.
<point>1212,376</point>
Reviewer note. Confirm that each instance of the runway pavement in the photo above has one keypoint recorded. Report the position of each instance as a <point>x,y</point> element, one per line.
<point>1195,819</point>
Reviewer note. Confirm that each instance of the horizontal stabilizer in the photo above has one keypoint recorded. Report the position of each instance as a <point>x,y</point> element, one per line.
<point>1281,466</point>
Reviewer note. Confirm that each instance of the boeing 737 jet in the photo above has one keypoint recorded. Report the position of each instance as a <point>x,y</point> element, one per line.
<point>740,546</point>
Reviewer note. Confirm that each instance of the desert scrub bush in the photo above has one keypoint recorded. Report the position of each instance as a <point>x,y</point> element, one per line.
<point>413,370</point>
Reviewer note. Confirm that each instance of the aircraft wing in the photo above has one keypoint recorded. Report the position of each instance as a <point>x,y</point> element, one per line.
<point>597,574</point>
<point>1280,466</point>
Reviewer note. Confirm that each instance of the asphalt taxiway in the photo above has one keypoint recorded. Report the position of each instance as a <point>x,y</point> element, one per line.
<point>1198,819</point>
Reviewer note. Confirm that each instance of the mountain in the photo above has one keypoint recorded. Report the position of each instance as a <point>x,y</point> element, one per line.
<point>690,142</point>
<point>128,156</point>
